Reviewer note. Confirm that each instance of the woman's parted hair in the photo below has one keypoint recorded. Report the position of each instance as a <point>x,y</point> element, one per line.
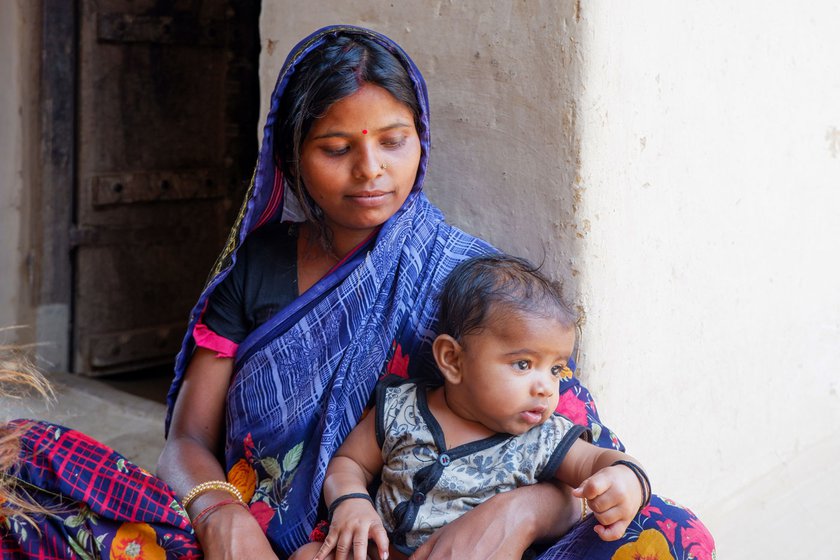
<point>477,284</point>
<point>331,72</point>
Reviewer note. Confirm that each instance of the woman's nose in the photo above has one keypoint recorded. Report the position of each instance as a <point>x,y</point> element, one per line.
<point>367,165</point>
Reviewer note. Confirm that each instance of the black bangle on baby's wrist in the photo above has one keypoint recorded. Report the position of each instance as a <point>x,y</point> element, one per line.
<point>644,481</point>
<point>351,496</point>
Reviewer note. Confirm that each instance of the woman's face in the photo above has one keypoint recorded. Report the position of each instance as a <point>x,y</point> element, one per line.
<point>359,162</point>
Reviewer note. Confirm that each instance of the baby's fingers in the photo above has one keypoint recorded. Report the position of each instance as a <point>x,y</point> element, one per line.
<point>344,545</point>
<point>612,532</point>
<point>326,548</point>
<point>593,486</point>
<point>360,545</point>
<point>380,538</point>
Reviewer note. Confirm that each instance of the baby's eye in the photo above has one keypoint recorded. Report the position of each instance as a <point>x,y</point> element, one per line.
<point>562,371</point>
<point>522,365</point>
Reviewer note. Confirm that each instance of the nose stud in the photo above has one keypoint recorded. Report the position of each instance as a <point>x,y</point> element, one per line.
<point>383,166</point>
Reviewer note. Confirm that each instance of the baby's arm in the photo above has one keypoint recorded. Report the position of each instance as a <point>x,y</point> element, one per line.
<point>613,491</point>
<point>353,521</point>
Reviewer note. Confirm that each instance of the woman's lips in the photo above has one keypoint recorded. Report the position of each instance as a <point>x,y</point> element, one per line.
<point>370,198</point>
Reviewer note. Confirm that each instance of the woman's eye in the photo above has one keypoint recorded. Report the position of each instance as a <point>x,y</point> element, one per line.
<point>336,151</point>
<point>394,142</point>
<point>522,365</point>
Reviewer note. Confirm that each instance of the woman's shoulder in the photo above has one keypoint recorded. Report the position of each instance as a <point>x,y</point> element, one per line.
<point>271,237</point>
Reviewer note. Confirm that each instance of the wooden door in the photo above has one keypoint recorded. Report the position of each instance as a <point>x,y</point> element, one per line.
<point>166,123</point>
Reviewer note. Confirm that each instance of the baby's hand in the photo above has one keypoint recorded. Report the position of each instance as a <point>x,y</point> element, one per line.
<point>614,496</point>
<point>354,522</point>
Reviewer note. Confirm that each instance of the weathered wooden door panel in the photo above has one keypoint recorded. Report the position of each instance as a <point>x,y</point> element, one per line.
<point>159,162</point>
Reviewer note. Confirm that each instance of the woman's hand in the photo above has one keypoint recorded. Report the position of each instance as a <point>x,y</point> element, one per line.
<point>614,496</point>
<point>506,525</point>
<point>232,533</point>
<point>354,522</point>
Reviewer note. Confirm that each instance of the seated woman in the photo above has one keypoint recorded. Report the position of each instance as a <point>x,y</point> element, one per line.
<point>327,283</point>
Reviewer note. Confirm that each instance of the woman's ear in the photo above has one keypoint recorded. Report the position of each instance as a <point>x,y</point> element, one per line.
<point>447,352</point>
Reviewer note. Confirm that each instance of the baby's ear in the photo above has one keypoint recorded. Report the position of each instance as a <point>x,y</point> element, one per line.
<point>447,354</point>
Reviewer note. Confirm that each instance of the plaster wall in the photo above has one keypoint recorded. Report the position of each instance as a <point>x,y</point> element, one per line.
<point>501,79</point>
<point>15,135</point>
<point>710,191</point>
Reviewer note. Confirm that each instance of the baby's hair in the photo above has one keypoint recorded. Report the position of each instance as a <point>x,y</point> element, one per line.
<point>478,284</point>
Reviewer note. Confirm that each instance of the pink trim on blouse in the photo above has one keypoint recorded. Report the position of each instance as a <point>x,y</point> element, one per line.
<point>206,338</point>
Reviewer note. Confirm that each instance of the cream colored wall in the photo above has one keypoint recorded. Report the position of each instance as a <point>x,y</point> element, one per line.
<point>710,188</point>
<point>495,71</point>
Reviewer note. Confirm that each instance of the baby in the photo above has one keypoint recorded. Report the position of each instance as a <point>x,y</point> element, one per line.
<point>491,426</point>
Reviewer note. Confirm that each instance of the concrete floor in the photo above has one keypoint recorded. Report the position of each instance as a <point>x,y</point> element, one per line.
<point>788,513</point>
<point>130,424</point>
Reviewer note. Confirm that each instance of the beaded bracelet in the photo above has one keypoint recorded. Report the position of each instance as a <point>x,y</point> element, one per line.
<point>337,501</point>
<point>210,509</point>
<point>644,481</point>
<point>200,489</point>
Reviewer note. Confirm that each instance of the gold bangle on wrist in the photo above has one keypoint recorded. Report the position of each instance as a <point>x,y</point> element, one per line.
<point>200,489</point>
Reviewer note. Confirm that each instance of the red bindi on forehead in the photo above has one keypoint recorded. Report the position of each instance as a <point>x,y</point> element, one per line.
<point>364,131</point>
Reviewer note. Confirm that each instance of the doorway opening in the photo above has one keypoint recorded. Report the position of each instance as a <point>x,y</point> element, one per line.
<point>163,147</point>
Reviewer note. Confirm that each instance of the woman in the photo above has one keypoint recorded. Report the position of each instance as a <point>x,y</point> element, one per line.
<point>326,284</point>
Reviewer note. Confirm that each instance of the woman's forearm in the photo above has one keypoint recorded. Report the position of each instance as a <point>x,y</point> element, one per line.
<point>196,433</point>
<point>185,462</point>
<point>550,508</point>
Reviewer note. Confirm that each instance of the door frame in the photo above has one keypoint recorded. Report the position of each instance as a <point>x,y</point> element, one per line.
<point>54,212</point>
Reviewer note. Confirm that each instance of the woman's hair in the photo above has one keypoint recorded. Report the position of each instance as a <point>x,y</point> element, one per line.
<point>18,376</point>
<point>478,284</point>
<point>336,69</point>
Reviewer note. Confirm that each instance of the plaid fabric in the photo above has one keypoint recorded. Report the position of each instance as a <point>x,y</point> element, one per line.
<point>99,504</point>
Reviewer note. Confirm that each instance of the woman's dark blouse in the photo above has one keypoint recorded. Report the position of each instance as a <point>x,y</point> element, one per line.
<point>263,281</point>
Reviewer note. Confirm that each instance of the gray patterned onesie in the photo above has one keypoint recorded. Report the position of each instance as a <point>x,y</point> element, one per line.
<point>425,486</point>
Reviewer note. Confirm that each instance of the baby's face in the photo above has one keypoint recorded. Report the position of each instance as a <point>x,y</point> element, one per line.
<point>512,369</point>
